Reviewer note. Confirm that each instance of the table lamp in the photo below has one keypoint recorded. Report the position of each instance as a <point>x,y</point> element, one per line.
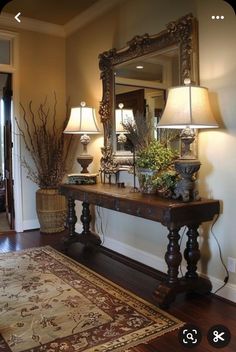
<point>83,121</point>
<point>187,108</point>
<point>123,116</point>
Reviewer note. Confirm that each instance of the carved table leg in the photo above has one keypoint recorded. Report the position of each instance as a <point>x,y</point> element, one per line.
<point>166,291</point>
<point>173,256</point>
<point>85,219</point>
<point>86,235</point>
<point>71,221</point>
<point>192,255</point>
<point>71,218</point>
<point>192,252</point>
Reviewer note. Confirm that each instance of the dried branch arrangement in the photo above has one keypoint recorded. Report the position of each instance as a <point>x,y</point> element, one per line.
<point>46,143</point>
<point>168,135</point>
<point>139,132</point>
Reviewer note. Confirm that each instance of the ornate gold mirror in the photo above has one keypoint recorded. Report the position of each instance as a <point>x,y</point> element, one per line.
<point>139,75</point>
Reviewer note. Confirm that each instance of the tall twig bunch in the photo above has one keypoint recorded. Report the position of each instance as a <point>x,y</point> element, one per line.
<point>139,131</point>
<point>46,143</point>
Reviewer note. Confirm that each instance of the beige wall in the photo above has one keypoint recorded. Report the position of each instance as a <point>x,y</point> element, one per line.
<point>217,148</point>
<point>41,71</point>
<point>42,67</point>
<point>142,238</point>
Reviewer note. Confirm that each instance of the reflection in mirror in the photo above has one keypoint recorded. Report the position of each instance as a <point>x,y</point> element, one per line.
<point>139,75</point>
<point>148,102</point>
<point>123,116</point>
<point>158,70</point>
<point>140,85</point>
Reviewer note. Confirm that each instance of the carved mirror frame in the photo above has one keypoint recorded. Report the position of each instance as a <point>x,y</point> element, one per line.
<point>181,33</point>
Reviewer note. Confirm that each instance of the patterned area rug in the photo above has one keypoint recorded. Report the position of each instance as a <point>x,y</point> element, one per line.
<point>50,303</point>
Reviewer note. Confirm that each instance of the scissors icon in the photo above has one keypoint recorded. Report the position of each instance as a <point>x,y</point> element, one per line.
<point>218,336</point>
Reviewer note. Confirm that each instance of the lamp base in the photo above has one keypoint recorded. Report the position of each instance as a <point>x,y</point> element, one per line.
<point>185,188</point>
<point>85,160</point>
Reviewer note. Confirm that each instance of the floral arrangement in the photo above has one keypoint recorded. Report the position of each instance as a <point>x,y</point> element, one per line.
<point>165,182</point>
<point>46,143</point>
<point>155,156</point>
<point>155,168</point>
<point>155,159</point>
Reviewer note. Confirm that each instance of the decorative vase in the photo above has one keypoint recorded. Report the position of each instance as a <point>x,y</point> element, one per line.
<point>146,178</point>
<point>51,209</point>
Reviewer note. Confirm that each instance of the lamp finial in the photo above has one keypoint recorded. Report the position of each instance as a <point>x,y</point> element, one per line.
<point>187,81</point>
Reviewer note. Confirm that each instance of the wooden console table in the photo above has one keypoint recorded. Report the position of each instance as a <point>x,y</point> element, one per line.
<point>170,213</point>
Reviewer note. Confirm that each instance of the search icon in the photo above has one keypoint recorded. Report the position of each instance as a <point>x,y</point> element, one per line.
<point>190,335</point>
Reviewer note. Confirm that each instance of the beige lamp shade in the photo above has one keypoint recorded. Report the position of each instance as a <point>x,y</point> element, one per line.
<point>187,106</point>
<point>82,121</point>
<point>123,116</point>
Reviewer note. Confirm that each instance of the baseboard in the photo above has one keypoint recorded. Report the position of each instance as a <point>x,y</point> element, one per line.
<point>30,224</point>
<point>135,254</point>
<point>228,291</point>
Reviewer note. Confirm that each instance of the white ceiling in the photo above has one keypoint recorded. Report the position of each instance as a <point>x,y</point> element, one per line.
<point>54,11</point>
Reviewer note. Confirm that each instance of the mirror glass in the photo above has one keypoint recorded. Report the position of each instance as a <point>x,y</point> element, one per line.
<point>140,86</point>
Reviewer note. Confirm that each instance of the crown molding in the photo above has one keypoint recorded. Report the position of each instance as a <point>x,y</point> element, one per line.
<point>30,24</point>
<point>70,27</point>
<point>88,15</point>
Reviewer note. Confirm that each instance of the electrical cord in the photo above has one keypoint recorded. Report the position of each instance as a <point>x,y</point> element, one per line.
<point>98,223</point>
<point>226,279</point>
<point>100,229</point>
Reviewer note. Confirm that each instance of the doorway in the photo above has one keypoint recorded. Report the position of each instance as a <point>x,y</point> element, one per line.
<point>7,214</point>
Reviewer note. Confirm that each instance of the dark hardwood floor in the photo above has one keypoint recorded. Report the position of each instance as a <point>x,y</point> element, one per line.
<point>203,311</point>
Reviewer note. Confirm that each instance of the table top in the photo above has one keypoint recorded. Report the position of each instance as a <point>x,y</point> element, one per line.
<point>169,212</point>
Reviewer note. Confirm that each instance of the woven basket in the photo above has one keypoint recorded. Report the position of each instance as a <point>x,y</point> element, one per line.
<point>51,210</point>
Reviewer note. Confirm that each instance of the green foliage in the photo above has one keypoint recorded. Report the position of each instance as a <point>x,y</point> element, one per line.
<point>159,158</point>
<point>155,156</point>
<point>166,180</point>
